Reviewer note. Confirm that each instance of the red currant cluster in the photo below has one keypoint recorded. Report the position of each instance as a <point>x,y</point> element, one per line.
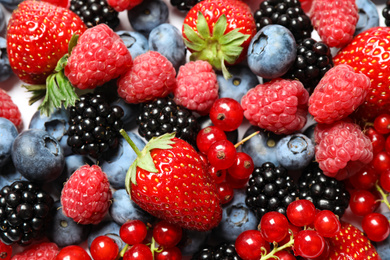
<point>303,232</point>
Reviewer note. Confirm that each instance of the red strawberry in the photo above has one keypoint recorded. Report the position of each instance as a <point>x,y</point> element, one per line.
<point>369,53</point>
<point>62,3</point>
<point>168,179</point>
<point>219,31</point>
<point>351,244</point>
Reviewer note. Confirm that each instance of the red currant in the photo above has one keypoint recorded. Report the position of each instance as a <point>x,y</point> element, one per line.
<point>138,252</point>
<point>227,114</point>
<point>167,234</point>
<point>236,183</point>
<point>133,232</point>
<point>376,226</point>
<point>222,154</point>
<point>308,243</point>
<point>218,175</point>
<point>249,245</point>
<point>387,144</point>
<point>104,248</point>
<point>364,179</point>
<point>284,255</point>
<point>207,136</point>
<point>377,140</point>
<point>301,212</point>
<point>72,252</point>
<point>363,202</point>
<point>5,251</point>
<point>172,253</point>
<point>382,124</point>
<point>292,230</point>
<point>274,226</point>
<point>326,223</point>
<point>242,167</point>
<point>384,180</point>
<point>225,192</point>
<point>381,162</point>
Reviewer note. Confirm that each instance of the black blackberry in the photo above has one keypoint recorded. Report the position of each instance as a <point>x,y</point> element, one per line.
<point>165,116</point>
<point>221,252</point>
<point>93,125</point>
<point>313,61</point>
<point>270,189</point>
<point>386,13</point>
<point>24,212</point>
<point>94,12</point>
<point>288,13</point>
<point>325,192</point>
<point>184,5</point>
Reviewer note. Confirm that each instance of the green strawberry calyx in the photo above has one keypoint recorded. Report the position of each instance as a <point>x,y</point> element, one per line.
<point>58,90</point>
<point>217,47</point>
<point>144,159</point>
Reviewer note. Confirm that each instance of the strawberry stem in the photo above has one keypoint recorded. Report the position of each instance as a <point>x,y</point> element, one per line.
<point>130,142</point>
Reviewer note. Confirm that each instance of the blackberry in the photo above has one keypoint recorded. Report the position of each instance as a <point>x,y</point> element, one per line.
<point>386,13</point>
<point>220,252</point>
<point>94,12</point>
<point>287,13</point>
<point>165,116</point>
<point>93,125</point>
<point>24,212</point>
<point>184,5</point>
<point>270,189</point>
<point>325,192</point>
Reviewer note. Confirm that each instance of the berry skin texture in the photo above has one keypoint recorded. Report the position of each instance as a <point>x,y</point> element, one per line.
<point>342,149</point>
<point>9,110</point>
<point>227,114</point>
<point>122,5</point>
<point>335,21</point>
<point>274,226</point>
<point>8,132</point>
<point>104,248</point>
<point>86,195</point>
<point>376,226</point>
<point>99,56</point>
<point>309,243</point>
<point>338,94</point>
<point>250,245</point>
<point>41,251</point>
<point>73,252</point>
<point>152,76</point>
<point>279,106</point>
<point>197,86</point>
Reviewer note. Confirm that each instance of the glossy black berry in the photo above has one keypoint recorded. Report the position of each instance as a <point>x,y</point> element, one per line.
<point>184,5</point>
<point>220,252</point>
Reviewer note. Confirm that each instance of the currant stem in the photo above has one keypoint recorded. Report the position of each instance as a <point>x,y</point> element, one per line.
<point>383,194</point>
<point>277,249</point>
<point>246,139</point>
<point>123,251</point>
<point>131,143</point>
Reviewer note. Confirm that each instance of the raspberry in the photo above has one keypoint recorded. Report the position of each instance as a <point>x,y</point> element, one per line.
<point>279,106</point>
<point>338,94</point>
<point>99,56</point>
<point>122,5</point>
<point>342,148</point>
<point>197,86</point>
<point>9,110</point>
<point>152,76</point>
<point>42,251</point>
<point>86,195</point>
<point>335,21</point>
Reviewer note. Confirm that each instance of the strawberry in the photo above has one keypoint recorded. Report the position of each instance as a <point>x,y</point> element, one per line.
<point>351,244</point>
<point>170,181</point>
<point>369,53</point>
<point>219,31</point>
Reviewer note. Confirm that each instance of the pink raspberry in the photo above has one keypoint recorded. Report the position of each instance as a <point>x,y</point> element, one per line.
<point>86,195</point>
<point>279,106</point>
<point>9,110</point>
<point>122,5</point>
<point>152,76</point>
<point>342,149</point>
<point>42,251</point>
<point>338,94</point>
<point>99,56</point>
<point>197,86</point>
<point>335,21</point>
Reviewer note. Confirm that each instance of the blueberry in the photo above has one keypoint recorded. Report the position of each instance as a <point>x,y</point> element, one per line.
<point>3,21</point>
<point>5,67</point>
<point>8,133</point>
<point>261,147</point>
<point>10,4</point>
<point>117,162</point>
<point>309,132</point>
<point>295,152</point>
<point>106,228</point>
<point>131,112</point>
<point>123,209</point>
<point>192,241</point>
<point>272,51</point>
<point>38,156</point>
<point>9,174</point>
<point>236,218</point>
<point>368,16</point>
<point>148,15</point>
<point>64,231</point>
<point>167,40</point>
<point>237,86</point>
<point>135,42</point>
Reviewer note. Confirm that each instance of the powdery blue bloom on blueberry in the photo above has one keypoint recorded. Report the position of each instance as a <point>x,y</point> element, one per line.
<point>8,133</point>
<point>5,67</point>
<point>135,42</point>
<point>368,16</point>
<point>10,4</point>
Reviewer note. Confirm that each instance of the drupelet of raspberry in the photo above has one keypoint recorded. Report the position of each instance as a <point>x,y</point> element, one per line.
<point>86,196</point>
<point>9,110</point>
<point>197,86</point>
<point>99,56</point>
<point>338,94</point>
<point>342,148</point>
<point>152,76</point>
<point>122,5</point>
<point>41,251</point>
<point>279,106</point>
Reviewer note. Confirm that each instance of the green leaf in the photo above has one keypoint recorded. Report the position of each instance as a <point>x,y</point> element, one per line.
<point>233,38</point>
<point>38,92</point>
<point>62,63</point>
<point>202,26</point>
<point>220,27</point>
<point>160,142</point>
<point>67,89</point>
<point>73,42</point>
<point>131,177</point>
<point>193,45</point>
<point>146,163</point>
<point>192,36</point>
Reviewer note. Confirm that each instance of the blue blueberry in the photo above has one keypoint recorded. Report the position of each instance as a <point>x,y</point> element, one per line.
<point>148,15</point>
<point>135,42</point>
<point>272,51</point>
<point>3,21</point>
<point>368,16</point>
<point>106,228</point>
<point>117,162</point>
<point>123,209</point>
<point>383,247</point>
<point>8,133</point>
<point>309,132</point>
<point>10,4</point>
<point>131,112</point>
<point>192,241</point>
<point>237,86</point>
<point>5,67</point>
<point>167,40</point>
<point>64,231</point>
<point>38,156</point>
<point>236,218</point>
<point>295,152</point>
<point>9,174</point>
<point>261,147</point>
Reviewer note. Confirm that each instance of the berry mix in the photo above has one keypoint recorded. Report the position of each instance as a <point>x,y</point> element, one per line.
<point>246,130</point>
